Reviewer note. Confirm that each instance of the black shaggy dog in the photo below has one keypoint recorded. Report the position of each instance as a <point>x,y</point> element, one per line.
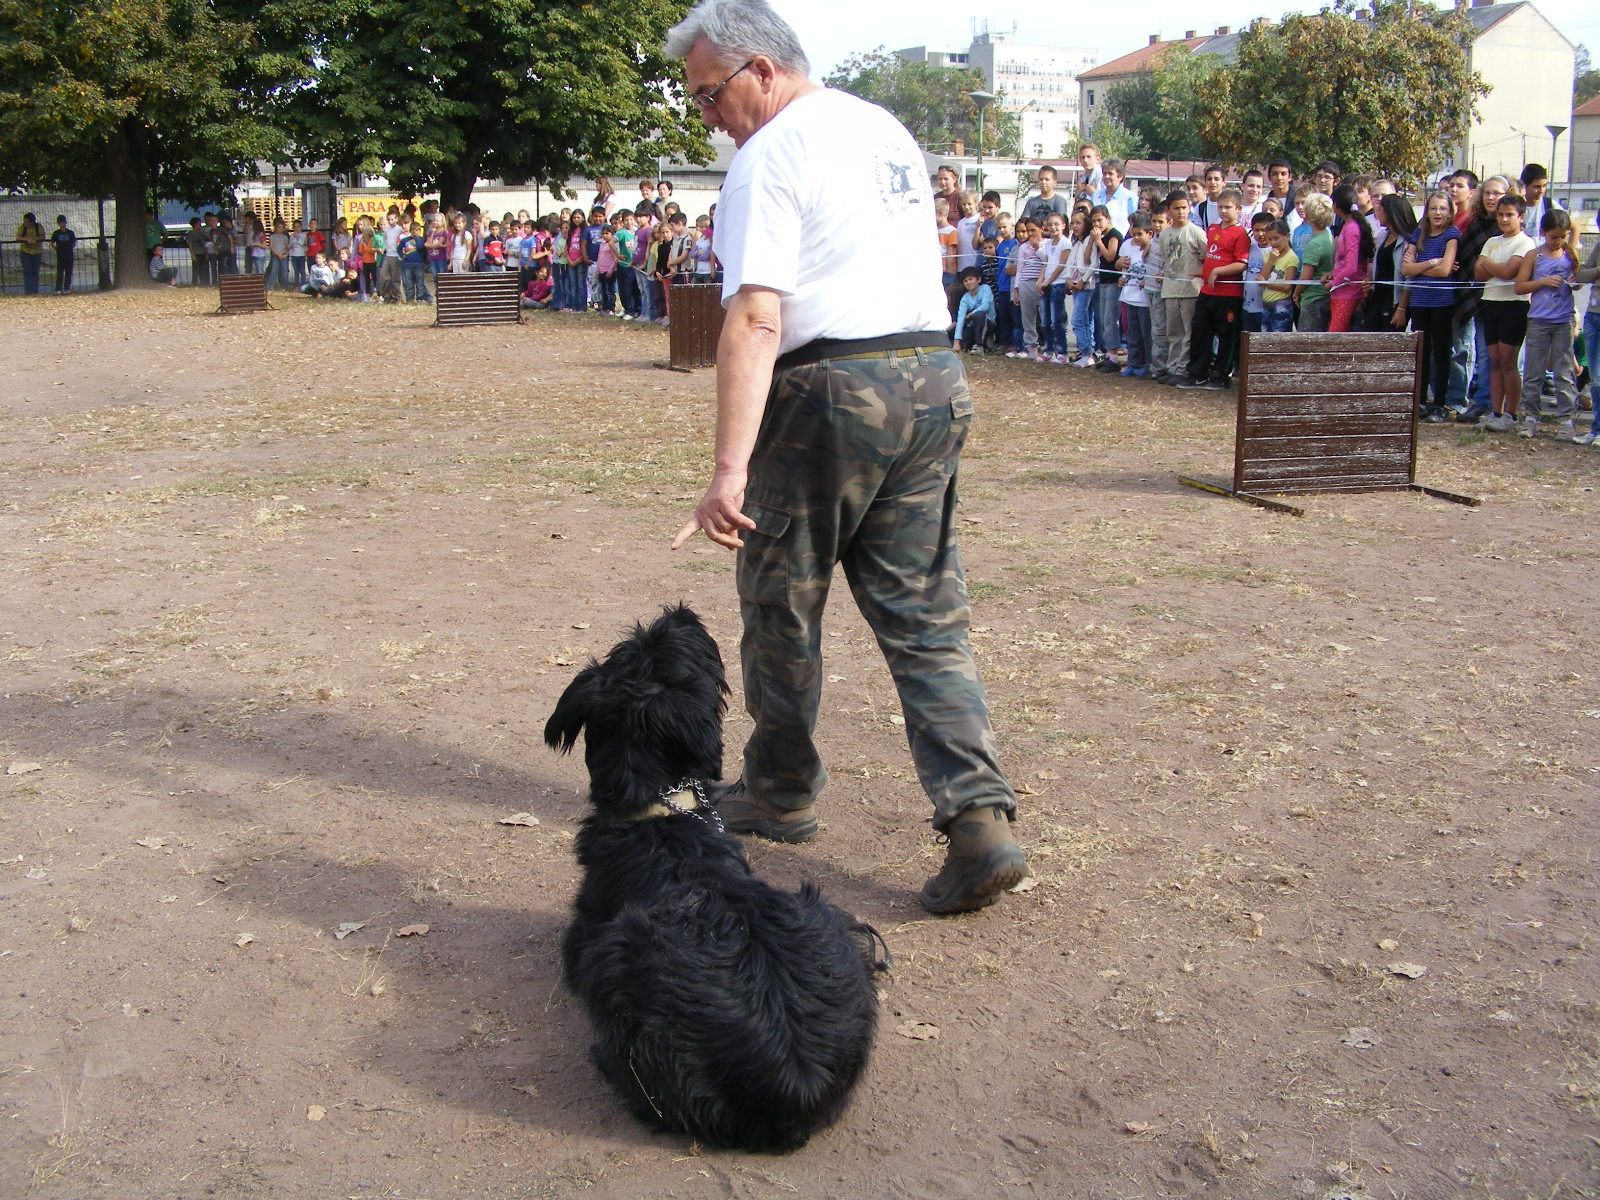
<point>722,1007</point>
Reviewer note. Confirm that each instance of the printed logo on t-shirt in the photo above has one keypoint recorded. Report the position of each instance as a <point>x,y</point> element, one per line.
<point>894,179</point>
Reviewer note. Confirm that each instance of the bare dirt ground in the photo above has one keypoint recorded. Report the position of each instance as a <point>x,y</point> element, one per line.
<point>287,597</point>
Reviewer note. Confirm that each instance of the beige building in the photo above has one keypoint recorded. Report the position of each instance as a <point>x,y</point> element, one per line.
<point>1528,64</point>
<point>1585,135</point>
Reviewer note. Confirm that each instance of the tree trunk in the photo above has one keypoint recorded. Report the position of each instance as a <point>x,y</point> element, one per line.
<point>456,182</point>
<point>128,172</point>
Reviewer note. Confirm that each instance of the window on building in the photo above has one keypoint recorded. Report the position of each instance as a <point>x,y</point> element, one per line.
<point>1091,97</point>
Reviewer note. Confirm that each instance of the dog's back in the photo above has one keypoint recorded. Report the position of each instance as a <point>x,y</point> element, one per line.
<point>722,1007</point>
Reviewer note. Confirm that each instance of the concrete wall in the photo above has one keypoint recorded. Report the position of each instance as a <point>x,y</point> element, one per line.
<point>1529,65</point>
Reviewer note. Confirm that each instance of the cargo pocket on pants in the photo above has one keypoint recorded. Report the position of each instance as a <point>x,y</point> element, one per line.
<point>763,575</point>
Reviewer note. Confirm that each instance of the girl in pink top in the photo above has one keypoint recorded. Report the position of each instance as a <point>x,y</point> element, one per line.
<point>1352,260</point>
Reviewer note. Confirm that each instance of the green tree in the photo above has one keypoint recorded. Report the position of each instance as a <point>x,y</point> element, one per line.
<point>436,94</point>
<point>1585,79</point>
<point>1391,91</point>
<point>1114,139</point>
<point>134,100</point>
<point>933,102</point>
<point>1160,106</point>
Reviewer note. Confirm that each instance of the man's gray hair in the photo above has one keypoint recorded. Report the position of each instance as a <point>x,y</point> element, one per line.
<point>739,29</point>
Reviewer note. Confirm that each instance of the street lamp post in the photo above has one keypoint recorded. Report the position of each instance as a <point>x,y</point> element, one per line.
<point>1555,132</point>
<point>982,100</point>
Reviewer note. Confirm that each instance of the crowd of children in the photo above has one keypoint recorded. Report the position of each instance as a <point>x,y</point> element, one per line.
<point>610,258</point>
<point>1159,283</point>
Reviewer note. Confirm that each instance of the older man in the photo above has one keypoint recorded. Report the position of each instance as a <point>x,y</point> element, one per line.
<point>841,413</point>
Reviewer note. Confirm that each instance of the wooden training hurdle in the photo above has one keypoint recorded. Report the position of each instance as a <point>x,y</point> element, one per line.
<point>243,293</point>
<point>1326,412</point>
<point>477,298</point>
<point>696,325</point>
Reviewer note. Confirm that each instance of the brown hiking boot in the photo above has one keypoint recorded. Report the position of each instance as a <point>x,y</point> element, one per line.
<point>743,813</point>
<point>983,861</point>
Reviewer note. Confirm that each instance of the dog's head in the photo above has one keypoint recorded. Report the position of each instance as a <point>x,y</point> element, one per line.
<point>650,712</point>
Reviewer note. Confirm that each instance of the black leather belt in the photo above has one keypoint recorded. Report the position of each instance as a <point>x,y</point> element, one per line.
<point>826,348</point>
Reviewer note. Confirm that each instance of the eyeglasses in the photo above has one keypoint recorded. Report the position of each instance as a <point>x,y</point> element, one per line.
<point>708,99</point>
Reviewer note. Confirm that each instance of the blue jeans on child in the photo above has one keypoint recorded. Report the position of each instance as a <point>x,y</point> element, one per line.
<point>1277,316</point>
<point>1108,324</point>
<point>414,278</point>
<point>1084,305</point>
<point>1053,320</point>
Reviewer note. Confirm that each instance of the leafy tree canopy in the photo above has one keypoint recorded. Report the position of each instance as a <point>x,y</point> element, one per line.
<point>933,102</point>
<point>1161,118</point>
<point>436,94</point>
<point>1392,91</point>
<point>106,97</point>
<point>1585,79</point>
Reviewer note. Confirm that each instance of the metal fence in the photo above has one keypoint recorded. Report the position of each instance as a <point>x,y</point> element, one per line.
<point>87,266</point>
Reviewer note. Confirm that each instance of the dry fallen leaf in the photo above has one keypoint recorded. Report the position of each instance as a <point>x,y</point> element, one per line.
<point>917,1031</point>
<point>23,768</point>
<point>346,928</point>
<point>411,931</point>
<point>1026,884</point>
<point>1360,1037</point>
<point>1388,944</point>
<point>316,1112</point>
<point>150,843</point>
<point>1136,1127</point>
<point>521,818</point>
<point>525,1088</point>
<point>244,939</point>
<point>1406,970</point>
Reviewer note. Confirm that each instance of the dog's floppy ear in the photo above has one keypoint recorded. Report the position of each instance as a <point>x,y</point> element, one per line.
<point>573,710</point>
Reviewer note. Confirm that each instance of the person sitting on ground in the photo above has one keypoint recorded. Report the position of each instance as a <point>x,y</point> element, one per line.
<point>974,313</point>
<point>537,293</point>
<point>159,271</point>
<point>320,277</point>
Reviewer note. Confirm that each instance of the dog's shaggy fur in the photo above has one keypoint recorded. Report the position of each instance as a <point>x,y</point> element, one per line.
<point>722,1008</point>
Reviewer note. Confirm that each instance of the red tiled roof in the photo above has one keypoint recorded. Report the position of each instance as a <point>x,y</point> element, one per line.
<point>1143,59</point>
<point>1589,108</point>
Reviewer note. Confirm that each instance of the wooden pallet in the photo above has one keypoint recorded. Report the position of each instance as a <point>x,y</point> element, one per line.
<point>243,293</point>
<point>1326,412</point>
<point>477,298</point>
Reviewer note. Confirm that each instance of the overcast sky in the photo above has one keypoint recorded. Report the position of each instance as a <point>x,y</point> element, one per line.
<point>832,30</point>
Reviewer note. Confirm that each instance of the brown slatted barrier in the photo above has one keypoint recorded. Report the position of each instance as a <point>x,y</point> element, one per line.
<point>1327,412</point>
<point>696,325</point>
<point>243,293</point>
<point>477,298</point>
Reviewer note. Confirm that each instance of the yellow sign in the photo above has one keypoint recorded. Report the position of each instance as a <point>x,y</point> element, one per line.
<point>372,206</point>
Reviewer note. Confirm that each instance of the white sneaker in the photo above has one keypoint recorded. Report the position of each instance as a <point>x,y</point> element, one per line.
<point>1585,439</point>
<point>1498,423</point>
<point>1530,426</point>
<point>1084,360</point>
<point>1568,432</point>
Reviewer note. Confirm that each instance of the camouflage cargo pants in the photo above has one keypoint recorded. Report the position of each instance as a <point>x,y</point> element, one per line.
<point>856,465</point>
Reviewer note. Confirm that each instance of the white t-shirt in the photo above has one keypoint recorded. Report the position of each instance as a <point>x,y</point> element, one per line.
<point>1133,293</point>
<point>1055,254</point>
<point>873,273</point>
<point>1500,250</point>
<point>966,256</point>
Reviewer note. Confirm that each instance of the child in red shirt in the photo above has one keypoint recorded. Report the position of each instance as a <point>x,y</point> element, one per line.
<point>1216,311</point>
